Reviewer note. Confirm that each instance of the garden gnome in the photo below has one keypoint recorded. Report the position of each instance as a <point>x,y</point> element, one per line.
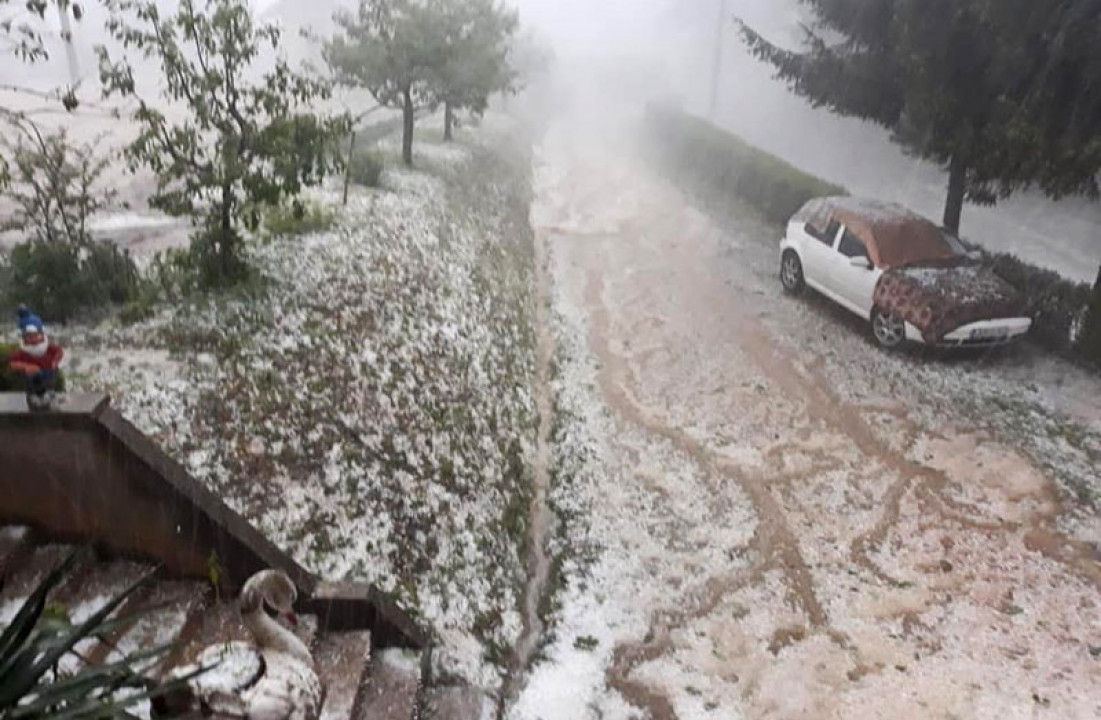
<point>37,359</point>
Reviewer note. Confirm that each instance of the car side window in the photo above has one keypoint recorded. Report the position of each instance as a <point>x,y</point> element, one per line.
<point>813,231</point>
<point>851,246</point>
<point>827,236</point>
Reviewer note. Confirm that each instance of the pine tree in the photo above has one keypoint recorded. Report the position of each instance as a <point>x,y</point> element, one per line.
<point>963,83</point>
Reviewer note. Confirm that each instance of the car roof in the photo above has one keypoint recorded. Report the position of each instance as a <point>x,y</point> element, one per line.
<point>893,235</point>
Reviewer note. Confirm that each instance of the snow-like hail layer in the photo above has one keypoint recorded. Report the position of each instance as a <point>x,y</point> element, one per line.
<point>370,408</point>
<point>900,492</point>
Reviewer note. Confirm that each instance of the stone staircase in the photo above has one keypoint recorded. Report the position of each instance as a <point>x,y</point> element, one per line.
<point>83,477</point>
<point>361,683</point>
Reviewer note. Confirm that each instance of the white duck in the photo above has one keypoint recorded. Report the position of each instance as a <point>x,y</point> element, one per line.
<point>274,680</point>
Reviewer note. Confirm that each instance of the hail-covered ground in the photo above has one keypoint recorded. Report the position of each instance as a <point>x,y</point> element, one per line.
<point>766,516</point>
<point>368,403</point>
<point>757,513</point>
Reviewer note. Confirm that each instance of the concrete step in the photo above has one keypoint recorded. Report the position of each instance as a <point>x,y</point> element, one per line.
<point>159,616</point>
<point>390,689</point>
<point>342,661</point>
<point>86,592</point>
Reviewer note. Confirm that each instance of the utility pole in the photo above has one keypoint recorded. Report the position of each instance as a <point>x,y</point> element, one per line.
<point>717,67</point>
<point>67,38</point>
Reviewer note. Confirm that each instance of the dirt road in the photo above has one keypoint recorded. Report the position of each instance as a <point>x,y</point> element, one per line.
<point>790,523</point>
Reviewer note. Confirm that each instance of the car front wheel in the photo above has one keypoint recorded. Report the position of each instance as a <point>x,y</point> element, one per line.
<point>791,273</point>
<point>889,330</point>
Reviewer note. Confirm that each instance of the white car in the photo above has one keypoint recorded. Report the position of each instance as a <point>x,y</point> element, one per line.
<point>899,271</point>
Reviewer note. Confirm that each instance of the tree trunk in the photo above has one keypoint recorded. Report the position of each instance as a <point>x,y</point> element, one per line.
<point>1091,334</point>
<point>408,118</point>
<point>348,165</point>
<point>957,190</point>
<point>448,122</point>
<point>225,251</point>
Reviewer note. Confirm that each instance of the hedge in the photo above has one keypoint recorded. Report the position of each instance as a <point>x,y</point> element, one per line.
<point>721,165</point>
<point>717,165</point>
<point>62,279</point>
<point>1059,307</point>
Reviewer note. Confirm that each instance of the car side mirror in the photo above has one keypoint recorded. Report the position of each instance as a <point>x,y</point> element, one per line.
<point>861,262</point>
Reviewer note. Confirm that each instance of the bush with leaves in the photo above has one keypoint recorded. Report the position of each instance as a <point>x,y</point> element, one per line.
<point>240,143</point>
<point>720,165</point>
<point>298,218</point>
<point>32,687</point>
<point>62,279</point>
<point>55,187</point>
<point>1058,306</point>
<point>366,168</point>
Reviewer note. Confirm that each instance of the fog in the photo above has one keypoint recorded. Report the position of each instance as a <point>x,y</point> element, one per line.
<point>667,48</point>
<point>637,51</point>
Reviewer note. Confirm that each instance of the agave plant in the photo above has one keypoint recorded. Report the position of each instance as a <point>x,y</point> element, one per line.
<point>41,635</point>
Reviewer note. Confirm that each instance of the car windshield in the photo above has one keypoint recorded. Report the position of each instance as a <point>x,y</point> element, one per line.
<point>923,247</point>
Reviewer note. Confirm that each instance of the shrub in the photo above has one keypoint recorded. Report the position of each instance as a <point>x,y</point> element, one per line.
<point>366,168</point>
<point>172,275</point>
<point>61,279</point>
<point>719,165</point>
<point>177,273</point>
<point>55,187</point>
<point>1058,306</point>
<point>215,257</point>
<point>298,218</point>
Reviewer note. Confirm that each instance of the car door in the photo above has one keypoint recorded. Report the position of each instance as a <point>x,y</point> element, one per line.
<point>818,252</point>
<point>854,284</point>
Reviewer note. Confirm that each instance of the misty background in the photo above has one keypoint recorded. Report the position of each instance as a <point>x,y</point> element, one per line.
<point>646,50</point>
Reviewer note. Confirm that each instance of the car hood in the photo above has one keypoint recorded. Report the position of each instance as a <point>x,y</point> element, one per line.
<point>938,300</point>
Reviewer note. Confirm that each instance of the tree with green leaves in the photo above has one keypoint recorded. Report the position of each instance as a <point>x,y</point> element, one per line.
<point>55,188</point>
<point>225,137</point>
<point>56,185</point>
<point>391,48</point>
<point>955,81</point>
<point>476,39</point>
